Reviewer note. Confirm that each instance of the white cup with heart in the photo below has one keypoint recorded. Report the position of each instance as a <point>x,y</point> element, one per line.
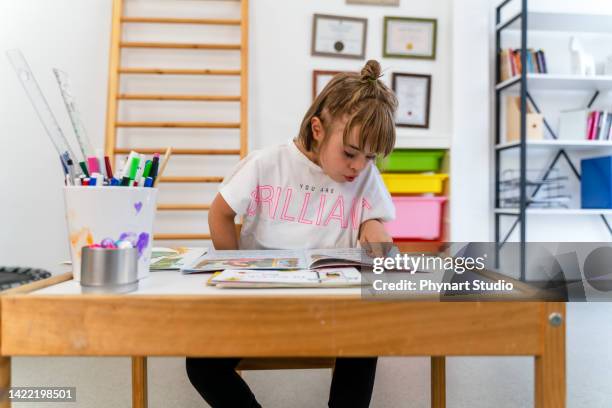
<point>110,214</point>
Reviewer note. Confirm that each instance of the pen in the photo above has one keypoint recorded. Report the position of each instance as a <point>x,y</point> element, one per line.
<point>109,169</point>
<point>70,169</point>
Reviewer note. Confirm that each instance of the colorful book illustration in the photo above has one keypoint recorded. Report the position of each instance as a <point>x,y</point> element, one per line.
<point>279,259</point>
<point>299,278</point>
<point>173,259</point>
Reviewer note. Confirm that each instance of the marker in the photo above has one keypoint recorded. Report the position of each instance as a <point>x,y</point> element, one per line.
<point>94,166</point>
<point>125,170</point>
<point>141,166</point>
<point>148,182</point>
<point>86,181</point>
<point>68,180</point>
<point>125,181</point>
<point>147,169</point>
<point>109,169</point>
<point>84,168</point>
<point>163,166</point>
<point>134,167</point>
<point>154,166</point>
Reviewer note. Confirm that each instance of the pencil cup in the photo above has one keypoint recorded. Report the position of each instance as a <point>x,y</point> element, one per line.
<point>97,214</point>
<point>109,270</point>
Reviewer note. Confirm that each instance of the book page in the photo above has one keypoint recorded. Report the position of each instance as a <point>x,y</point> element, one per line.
<point>248,259</point>
<point>345,256</point>
<point>287,278</point>
<point>164,259</point>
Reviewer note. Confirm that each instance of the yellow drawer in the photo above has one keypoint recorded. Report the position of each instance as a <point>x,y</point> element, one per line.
<point>414,183</point>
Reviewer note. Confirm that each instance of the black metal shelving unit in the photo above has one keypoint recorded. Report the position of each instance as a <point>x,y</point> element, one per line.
<point>522,81</point>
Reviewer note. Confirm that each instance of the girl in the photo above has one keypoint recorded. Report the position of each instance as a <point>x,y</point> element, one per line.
<point>320,190</point>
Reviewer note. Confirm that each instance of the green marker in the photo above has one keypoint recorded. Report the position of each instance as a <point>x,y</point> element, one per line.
<point>84,168</point>
<point>147,169</point>
<point>134,167</point>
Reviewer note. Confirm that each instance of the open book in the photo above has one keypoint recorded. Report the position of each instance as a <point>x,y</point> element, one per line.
<point>173,259</point>
<point>279,259</point>
<point>302,278</point>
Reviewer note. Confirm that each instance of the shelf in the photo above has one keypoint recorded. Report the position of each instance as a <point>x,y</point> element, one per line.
<point>559,144</point>
<point>556,211</point>
<point>564,22</point>
<point>554,82</point>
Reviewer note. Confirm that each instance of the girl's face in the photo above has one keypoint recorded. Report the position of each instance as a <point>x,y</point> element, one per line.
<point>341,162</point>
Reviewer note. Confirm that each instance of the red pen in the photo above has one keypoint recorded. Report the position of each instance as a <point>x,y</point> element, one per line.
<point>109,170</point>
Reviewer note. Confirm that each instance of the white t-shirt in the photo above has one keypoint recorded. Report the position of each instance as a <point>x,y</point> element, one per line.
<point>289,203</point>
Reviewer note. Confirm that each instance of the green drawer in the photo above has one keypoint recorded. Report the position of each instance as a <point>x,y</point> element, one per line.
<point>411,160</point>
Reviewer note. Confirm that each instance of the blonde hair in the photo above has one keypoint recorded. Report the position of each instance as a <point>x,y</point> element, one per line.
<point>369,103</point>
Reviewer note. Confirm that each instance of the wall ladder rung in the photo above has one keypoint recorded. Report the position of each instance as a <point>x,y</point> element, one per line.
<point>191,46</point>
<point>181,236</point>
<point>168,20</point>
<point>168,97</point>
<point>207,152</point>
<point>181,207</point>
<point>191,179</point>
<point>210,125</point>
<point>178,71</point>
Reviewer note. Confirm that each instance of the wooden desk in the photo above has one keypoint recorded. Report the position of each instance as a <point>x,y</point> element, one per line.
<point>176,315</point>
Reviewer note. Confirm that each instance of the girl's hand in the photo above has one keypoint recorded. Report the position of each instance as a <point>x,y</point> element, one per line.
<point>372,234</point>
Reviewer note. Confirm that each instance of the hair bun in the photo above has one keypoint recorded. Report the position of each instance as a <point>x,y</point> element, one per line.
<point>371,70</point>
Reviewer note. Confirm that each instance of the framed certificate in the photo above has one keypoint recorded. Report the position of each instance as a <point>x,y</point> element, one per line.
<point>320,79</point>
<point>337,36</point>
<point>413,96</point>
<point>406,37</point>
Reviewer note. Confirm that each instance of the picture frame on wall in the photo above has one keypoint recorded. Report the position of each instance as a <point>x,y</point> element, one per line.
<point>413,93</point>
<point>339,36</point>
<point>410,37</point>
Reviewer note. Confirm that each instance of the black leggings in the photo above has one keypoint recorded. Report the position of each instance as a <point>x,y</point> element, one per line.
<point>220,385</point>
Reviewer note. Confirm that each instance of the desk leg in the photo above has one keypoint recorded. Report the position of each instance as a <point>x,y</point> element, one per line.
<point>5,381</point>
<point>438,382</point>
<point>139,382</point>
<point>550,384</point>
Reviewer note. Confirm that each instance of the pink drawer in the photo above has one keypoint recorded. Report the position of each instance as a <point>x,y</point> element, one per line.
<point>417,218</point>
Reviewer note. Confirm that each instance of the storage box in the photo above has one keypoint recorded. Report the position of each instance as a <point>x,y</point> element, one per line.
<point>535,121</point>
<point>596,182</point>
<point>414,183</point>
<point>411,160</point>
<point>417,218</point>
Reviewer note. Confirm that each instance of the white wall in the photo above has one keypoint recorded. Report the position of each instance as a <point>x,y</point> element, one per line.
<point>73,35</point>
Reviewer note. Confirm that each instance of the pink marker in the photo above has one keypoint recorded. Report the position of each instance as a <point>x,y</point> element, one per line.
<point>94,165</point>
